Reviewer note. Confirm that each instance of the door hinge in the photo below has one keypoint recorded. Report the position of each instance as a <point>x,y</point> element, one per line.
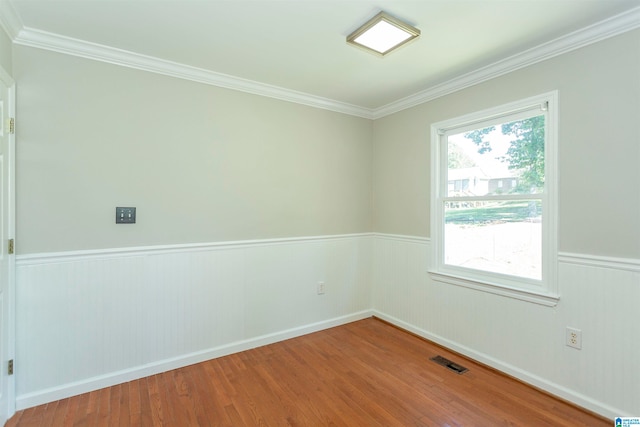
<point>12,125</point>
<point>10,368</point>
<point>11,247</point>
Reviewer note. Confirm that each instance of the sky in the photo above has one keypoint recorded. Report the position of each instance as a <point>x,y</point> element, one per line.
<point>489,162</point>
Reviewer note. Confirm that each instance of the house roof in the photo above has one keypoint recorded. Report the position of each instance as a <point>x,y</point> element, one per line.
<point>466,173</point>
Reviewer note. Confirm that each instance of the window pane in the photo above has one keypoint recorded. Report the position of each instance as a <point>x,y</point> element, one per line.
<point>501,237</point>
<point>503,159</point>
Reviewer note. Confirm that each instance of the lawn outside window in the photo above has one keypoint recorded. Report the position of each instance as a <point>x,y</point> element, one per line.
<point>494,200</point>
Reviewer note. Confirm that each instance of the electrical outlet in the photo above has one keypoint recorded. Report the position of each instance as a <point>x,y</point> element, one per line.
<point>321,288</point>
<point>574,338</point>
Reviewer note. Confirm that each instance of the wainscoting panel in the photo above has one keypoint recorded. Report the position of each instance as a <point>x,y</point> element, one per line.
<point>91,319</point>
<point>86,320</point>
<point>527,340</point>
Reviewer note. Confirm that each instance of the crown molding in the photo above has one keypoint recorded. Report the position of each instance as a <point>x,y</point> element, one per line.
<point>70,46</point>
<point>9,19</point>
<point>602,30</point>
<point>12,24</point>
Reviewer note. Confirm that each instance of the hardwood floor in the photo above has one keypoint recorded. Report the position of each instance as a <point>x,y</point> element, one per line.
<point>366,373</point>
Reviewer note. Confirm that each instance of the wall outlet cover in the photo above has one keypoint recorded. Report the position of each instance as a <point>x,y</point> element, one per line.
<point>574,338</point>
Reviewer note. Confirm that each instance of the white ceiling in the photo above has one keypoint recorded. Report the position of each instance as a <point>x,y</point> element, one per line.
<point>299,45</point>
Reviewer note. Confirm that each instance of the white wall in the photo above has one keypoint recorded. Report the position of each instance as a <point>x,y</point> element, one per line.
<point>6,59</point>
<point>99,303</point>
<point>91,311</point>
<point>599,106</point>
<point>523,339</point>
<point>200,163</point>
<point>91,319</point>
<point>599,233</point>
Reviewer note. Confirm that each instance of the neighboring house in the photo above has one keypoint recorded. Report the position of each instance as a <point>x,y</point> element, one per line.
<point>468,181</point>
<point>475,182</point>
<point>502,185</point>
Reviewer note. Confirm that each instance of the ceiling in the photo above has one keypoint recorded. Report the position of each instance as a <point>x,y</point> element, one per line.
<point>298,46</point>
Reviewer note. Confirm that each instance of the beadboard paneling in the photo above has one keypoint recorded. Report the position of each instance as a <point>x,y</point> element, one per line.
<point>524,339</point>
<point>92,319</point>
<point>87,320</point>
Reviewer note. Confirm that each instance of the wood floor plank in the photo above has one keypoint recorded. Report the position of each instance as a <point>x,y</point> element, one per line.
<point>81,411</point>
<point>365,373</point>
<point>121,407</point>
<point>169,399</point>
<point>132,406</point>
<point>184,402</point>
<point>313,400</point>
<point>91,414</point>
<point>159,413</point>
<point>146,414</point>
<point>72,411</point>
<point>104,406</point>
<point>206,412</point>
<point>112,415</point>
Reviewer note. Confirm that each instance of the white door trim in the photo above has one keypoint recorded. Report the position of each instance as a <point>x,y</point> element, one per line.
<point>11,218</point>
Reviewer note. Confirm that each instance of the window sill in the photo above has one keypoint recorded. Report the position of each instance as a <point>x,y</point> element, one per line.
<point>533,296</point>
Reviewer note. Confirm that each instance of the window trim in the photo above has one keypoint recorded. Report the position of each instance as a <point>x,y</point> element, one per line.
<point>544,291</point>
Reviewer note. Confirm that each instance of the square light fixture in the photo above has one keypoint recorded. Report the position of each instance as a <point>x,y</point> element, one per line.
<point>382,34</point>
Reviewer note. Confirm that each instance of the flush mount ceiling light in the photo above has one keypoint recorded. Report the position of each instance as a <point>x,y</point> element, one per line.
<point>382,34</point>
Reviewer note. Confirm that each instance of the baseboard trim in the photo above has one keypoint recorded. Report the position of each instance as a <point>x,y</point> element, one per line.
<point>528,378</point>
<point>40,397</point>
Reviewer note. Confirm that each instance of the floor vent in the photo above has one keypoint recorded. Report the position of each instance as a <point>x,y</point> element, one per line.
<point>458,369</point>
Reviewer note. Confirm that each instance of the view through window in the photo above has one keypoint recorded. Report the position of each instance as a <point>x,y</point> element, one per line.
<point>493,202</point>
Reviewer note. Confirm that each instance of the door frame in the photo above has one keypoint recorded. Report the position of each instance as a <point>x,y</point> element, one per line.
<point>11,265</point>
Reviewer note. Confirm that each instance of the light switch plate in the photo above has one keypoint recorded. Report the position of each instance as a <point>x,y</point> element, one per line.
<point>125,215</point>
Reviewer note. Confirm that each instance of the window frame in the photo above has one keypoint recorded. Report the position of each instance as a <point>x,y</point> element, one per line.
<point>544,291</point>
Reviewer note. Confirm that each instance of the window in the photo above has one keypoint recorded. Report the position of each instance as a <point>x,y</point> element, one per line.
<point>499,234</point>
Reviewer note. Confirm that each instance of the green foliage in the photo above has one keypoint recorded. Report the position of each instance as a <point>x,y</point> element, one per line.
<point>494,213</point>
<point>526,152</point>
<point>478,137</point>
<point>457,159</point>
